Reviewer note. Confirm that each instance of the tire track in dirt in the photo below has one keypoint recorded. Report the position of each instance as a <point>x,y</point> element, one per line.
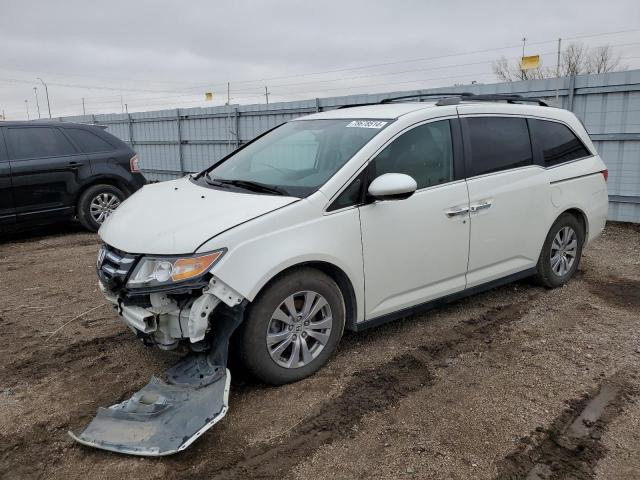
<point>570,447</point>
<point>45,361</point>
<point>368,391</point>
<point>620,292</point>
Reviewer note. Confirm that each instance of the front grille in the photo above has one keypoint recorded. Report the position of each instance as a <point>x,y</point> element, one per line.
<point>114,267</point>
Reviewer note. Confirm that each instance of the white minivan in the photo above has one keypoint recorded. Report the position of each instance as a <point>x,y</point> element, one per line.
<point>341,219</point>
<point>353,217</point>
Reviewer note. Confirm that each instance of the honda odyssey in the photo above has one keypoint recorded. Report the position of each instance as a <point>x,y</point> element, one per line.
<point>347,219</point>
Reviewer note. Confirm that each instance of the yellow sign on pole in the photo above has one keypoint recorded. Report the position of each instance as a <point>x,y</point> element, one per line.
<point>208,96</point>
<point>530,62</point>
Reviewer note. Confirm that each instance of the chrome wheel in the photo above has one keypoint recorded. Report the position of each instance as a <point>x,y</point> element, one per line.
<point>563,251</point>
<point>299,329</point>
<point>103,205</point>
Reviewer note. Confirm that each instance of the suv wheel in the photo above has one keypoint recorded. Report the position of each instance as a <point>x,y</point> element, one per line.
<point>561,252</point>
<point>97,203</point>
<point>293,327</point>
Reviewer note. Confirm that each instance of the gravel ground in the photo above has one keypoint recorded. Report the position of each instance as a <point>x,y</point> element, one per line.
<point>518,382</point>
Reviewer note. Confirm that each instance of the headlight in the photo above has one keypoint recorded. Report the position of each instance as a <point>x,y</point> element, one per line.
<point>155,271</point>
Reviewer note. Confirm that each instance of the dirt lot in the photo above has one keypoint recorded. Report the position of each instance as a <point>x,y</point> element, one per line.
<point>514,382</point>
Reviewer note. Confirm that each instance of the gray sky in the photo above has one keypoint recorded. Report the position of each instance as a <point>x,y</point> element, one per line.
<point>159,54</point>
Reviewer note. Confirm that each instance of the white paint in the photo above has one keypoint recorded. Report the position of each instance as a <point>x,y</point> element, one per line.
<point>396,253</point>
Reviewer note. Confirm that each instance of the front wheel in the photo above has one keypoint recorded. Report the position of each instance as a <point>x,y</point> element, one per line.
<point>293,327</point>
<point>561,252</point>
<point>97,203</point>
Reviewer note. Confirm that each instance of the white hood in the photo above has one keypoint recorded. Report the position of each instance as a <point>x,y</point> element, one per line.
<point>178,216</point>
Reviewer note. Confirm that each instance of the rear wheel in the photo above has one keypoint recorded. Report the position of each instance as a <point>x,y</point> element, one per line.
<point>294,326</point>
<point>561,252</point>
<point>97,203</point>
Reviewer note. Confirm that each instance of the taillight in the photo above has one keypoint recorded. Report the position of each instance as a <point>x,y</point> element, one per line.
<point>605,174</point>
<point>133,164</point>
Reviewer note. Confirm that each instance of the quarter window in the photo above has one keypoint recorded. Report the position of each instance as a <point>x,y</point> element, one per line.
<point>424,153</point>
<point>556,142</point>
<point>498,143</point>
<point>349,197</point>
<point>38,142</point>
<point>89,142</point>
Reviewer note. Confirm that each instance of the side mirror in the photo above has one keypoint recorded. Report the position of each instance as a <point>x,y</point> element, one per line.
<point>392,186</point>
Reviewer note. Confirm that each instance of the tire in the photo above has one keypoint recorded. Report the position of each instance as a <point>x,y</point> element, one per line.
<point>102,195</point>
<point>552,276</point>
<point>263,323</point>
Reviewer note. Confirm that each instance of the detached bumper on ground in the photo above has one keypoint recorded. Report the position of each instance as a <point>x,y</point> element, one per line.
<point>165,417</point>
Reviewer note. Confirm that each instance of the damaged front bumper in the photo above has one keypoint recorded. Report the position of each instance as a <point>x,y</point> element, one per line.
<point>162,418</point>
<point>166,416</point>
<point>166,320</point>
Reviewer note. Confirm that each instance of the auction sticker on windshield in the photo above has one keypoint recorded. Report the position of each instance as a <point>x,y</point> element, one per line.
<point>366,124</point>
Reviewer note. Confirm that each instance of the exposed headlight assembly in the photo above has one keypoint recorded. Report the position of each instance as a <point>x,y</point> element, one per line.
<point>157,271</point>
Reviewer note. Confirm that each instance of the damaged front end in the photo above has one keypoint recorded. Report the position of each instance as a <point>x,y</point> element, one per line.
<point>166,416</point>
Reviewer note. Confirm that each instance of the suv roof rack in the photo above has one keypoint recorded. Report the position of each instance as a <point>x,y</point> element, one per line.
<point>491,97</point>
<point>427,95</point>
<point>454,98</point>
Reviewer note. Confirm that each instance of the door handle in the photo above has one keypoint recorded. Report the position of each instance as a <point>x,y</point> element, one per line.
<point>74,165</point>
<point>453,212</point>
<point>480,206</point>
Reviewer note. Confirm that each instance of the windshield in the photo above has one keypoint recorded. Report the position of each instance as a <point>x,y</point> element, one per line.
<point>296,158</point>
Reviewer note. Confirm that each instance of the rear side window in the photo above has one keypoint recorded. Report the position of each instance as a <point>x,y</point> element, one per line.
<point>498,143</point>
<point>38,142</point>
<point>3,154</point>
<point>424,153</point>
<point>88,141</point>
<point>556,142</point>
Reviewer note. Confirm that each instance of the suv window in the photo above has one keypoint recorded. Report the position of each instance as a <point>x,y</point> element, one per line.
<point>556,142</point>
<point>3,153</point>
<point>498,143</point>
<point>424,153</point>
<point>88,141</point>
<point>37,142</point>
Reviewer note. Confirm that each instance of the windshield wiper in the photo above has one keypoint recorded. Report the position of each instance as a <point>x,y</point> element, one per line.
<point>249,185</point>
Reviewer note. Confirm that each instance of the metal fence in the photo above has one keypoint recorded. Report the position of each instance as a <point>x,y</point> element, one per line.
<point>171,143</point>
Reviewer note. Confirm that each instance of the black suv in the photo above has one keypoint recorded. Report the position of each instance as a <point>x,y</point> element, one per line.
<point>56,171</point>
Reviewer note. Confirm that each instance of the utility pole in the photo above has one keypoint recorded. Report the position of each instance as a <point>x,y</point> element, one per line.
<point>83,110</point>
<point>46,91</point>
<point>558,70</point>
<point>228,93</point>
<point>35,91</point>
<point>26,104</point>
<point>121,104</point>
<point>266,94</point>
<point>126,108</point>
<point>524,42</point>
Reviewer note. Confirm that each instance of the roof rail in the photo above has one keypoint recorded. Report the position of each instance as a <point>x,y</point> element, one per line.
<point>491,97</point>
<point>454,98</point>
<point>425,95</point>
<point>357,105</point>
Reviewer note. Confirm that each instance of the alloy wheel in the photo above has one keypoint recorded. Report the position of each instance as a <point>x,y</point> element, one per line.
<point>103,205</point>
<point>564,249</point>
<point>299,329</point>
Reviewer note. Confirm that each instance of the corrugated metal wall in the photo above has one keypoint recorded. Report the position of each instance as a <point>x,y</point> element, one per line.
<point>173,142</point>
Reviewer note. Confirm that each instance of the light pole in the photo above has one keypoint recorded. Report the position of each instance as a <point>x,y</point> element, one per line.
<point>35,92</point>
<point>26,104</point>
<point>46,90</point>
<point>524,42</point>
